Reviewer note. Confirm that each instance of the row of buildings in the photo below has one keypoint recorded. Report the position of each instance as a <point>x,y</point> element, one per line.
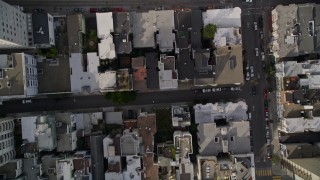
<point>297,79</point>
<point>74,146</point>
<point>173,55</point>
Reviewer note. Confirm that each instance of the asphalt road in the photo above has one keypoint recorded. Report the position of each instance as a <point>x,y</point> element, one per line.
<point>251,40</point>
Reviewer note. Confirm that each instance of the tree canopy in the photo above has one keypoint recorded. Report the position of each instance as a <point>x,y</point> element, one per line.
<point>209,31</point>
<point>121,97</point>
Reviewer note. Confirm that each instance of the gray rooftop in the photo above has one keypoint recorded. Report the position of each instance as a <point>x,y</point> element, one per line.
<point>305,15</point>
<point>76,30</point>
<point>301,150</point>
<point>196,22</point>
<point>143,28</point>
<point>152,70</point>
<point>122,29</point>
<point>40,21</point>
<point>165,26</point>
<point>183,26</point>
<point>234,138</point>
<point>96,146</point>
<point>203,70</point>
<point>11,168</point>
<point>48,165</point>
<point>185,65</point>
<point>31,168</point>
<point>129,143</point>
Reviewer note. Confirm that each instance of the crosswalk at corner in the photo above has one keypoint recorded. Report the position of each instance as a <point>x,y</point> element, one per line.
<point>276,177</point>
<point>263,172</point>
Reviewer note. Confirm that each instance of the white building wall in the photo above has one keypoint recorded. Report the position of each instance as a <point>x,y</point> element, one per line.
<point>51,30</point>
<point>30,75</point>
<point>7,151</point>
<point>13,27</point>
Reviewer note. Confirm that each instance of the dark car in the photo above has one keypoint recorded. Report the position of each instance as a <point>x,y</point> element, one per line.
<point>254,91</point>
<point>198,91</point>
<point>78,10</point>
<point>94,10</point>
<point>38,10</point>
<point>260,22</point>
<point>105,9</point>
<point>269,152</point>
<point>266,104</point>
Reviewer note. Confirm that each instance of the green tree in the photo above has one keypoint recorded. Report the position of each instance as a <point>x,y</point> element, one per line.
<point>121,97</point>
<point>52,52</point>
<point>209,31</point>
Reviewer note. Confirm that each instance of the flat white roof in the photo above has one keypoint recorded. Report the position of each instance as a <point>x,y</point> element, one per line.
<point>79,78</point>
<point>299,125</point>
<point>231,111</point>
<point>29,126</point>
<point>106,46</point>
<point>165,25</point>
<point>143,28</point>
<point>131,173</point>
<point>107,80</point>
<point>225,36</point>
<point>223,18</point>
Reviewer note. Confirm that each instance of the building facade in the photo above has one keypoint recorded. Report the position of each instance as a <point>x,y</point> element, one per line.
<point>7,151</point>
<point>13,27</point>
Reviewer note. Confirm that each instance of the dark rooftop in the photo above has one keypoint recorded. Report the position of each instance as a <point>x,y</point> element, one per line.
<point>96,146</point>
<point>122,30</point>
<point>40,28</point>
<point>202,67</point>
<point>196,21</point>
<point>185,65</point>
<point>183,25</point>
<point>152,70</point>
<point>302,150</point>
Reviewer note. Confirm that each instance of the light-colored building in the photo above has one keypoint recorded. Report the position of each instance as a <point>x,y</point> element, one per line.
<point>183,143</point>
<point>168,75</point>
<point>299,36</point>
<point>133,170</point>
<point>227,37</point>
<point>7,150</point>
<point>106,46</point>
<point>66,132</point>
<point>32,168</point>
<point>233,167</point>
<point>13,25</point>
<point>130,143</point>
<point>223,18</point>
<point>86,121</point>
<point>45,133</point>
<point>18,76</point>
<point>230,111</point>
<point>300,125</point>
<point>64,168</point>
<point>81,165</point>
<point>143,26</point>
<point>165,26</point>
<point>233,137</point>
<point>180,116</point>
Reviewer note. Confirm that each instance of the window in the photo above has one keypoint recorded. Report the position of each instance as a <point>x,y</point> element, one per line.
<point>216,139</point>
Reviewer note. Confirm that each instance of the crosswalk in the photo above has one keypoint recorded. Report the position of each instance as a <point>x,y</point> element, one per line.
<point>276,177</point>
<point>263,172</point>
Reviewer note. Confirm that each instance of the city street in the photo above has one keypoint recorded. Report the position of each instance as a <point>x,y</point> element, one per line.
<point>251,39</point>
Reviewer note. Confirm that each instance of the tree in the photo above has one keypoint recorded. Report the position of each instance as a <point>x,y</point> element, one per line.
<point>52,53</point>
<point>209,31</point>
<point>121,97</point>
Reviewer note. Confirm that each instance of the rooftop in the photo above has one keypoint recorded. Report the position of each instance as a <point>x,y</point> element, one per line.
<point>106,47</point>
<point>31,168</point>
<point>168,76</point>
<point>223,18</point>
<point>300,125</point>
<point>84,77</point>
<point>12,72</point>
<point>12,169</point>
<point>185,65</point>
<point>76,30</point>
<point>300,150</point>
<point>183,143</point>
<point>310,164</point>
<point>196,22</point>
<point>122,30</point>
<point>152,70</point>
<point>45,133</point>
<point>229,66</point>
<point>53,75</point>
<point>183,26</point>
<point>143,28</point>
<point>227,37</point>
<point>97,162</point>
<point>85,121</point>
<point>165,27</point>
<point>41,28</point>
<point>139,73</point>
<point>114,171</point>
<point>152,168</point>
<point>132,171</point>
<point>211,112</point>
<point>129,143</point>
<point>147,129</point>
<point>181,116</point>
<point>299,36</point>
<point>203,70</point>
<point>233,138</point>
<point>66,132</point>
<point>29,126</point>
<point>113,117</point>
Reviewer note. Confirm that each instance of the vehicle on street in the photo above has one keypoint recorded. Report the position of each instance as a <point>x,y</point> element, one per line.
<point>265,93</point>
<point>248,76</point>
<point>255,26</point>
<point>249,115</point>
<point>269,152</point>
<point>266,113</point>
<point>260,22</point>
<point>78,10</point>
<point>94,10</point>
<point>254,91</point>
<point>197,91</point>
<point>257,51</point>
<point>26,101</point>
<point>38,10</point>
<point>105,9</point>
<point>262,56</point>
<point>261,35</point>
<point>251,71</point>
<point>266,104</point>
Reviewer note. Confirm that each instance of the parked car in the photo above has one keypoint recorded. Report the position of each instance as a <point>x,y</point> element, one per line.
<point>94,10</point>
<point>38,10</point>
<point>266,104</point>
<point>255,26</point>
<point>269,152</point>
<point>257,51</point>
<point>254,91</point>
<point>248,76</point>
<point>265,94</point>
<point>218,89</point>
<point>266,113</point>
<point>198,91</point>
<point>263,57</point>
<point>260,22</point>
<point>78,10</point>
<point>251,71</point>
<point>105,9</point>
<point>26,101</point>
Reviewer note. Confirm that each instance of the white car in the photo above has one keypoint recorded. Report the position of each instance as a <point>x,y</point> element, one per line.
<point>262,56</point>
<point>255,26</point>
<point>257,51</point>
<point>251,71</point>
<point>218,89</point>
<point>248,76</point>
